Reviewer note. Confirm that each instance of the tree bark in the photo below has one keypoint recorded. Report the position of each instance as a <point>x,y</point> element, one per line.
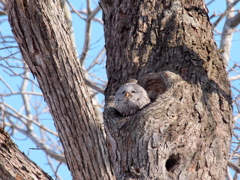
<point>14,164</point>
<point>168,46</point>
<point>44,39</point>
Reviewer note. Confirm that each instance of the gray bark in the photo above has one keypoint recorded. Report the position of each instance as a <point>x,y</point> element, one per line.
<point>44,39</point>
<point>168,47</point>
<point>14,164</point>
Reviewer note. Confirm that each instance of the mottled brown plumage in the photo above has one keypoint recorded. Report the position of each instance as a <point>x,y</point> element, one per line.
<point>130,98</point>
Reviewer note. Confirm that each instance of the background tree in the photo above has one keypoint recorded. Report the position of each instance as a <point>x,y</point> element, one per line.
<point>137,57</point>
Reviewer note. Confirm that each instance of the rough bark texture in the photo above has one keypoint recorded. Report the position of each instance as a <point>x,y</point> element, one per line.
<point>45,43</point>
<point>168,46</point>
<point>14,164</point>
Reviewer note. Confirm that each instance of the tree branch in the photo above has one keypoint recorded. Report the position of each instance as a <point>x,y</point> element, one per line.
<point>14,164</point>
<point>47,49</point>
<point>227,33</point>
<point>224,14</point>
<point>234,166</point>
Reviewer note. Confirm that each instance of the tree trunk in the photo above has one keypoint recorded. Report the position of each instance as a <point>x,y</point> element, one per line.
<point>168,46</point>
<point>44,39</point>
<point>14,164</point>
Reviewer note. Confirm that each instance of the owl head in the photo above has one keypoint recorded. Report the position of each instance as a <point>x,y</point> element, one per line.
<point>130,98</point>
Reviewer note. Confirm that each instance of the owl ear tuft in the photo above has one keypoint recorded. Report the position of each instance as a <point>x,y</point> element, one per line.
<point>132,81</point>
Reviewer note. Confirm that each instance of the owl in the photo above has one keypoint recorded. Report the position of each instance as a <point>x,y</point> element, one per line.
<point>130,98</point>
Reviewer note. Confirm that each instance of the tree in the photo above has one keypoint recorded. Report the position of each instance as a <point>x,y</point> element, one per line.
<point>184,133</point>
<point>47,59</point>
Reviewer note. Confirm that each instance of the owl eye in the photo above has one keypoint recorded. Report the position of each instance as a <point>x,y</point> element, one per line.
<point>133,91</point>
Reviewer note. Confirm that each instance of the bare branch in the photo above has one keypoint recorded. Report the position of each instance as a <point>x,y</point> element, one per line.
<point>224,14</point>
<point>236,117</point>
<point>209,2</point>
<point>6,84</point>
<point>229,176</point>
<point>68,19</point>
<point>234,166</point>
<point>86,36</point>
<point>21,117</point>
<point>93,86</point>
<point>235,20</point>
<point>95,60</point>
<point>227,33</point>
<point>233,78</point>
<point>74,10</point>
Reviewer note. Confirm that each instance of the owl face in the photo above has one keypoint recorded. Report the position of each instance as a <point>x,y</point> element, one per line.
<point>126,93</point>
<point>130,98</point>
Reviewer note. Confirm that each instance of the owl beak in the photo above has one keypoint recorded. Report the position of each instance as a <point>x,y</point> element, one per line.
<point>127,94</point>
